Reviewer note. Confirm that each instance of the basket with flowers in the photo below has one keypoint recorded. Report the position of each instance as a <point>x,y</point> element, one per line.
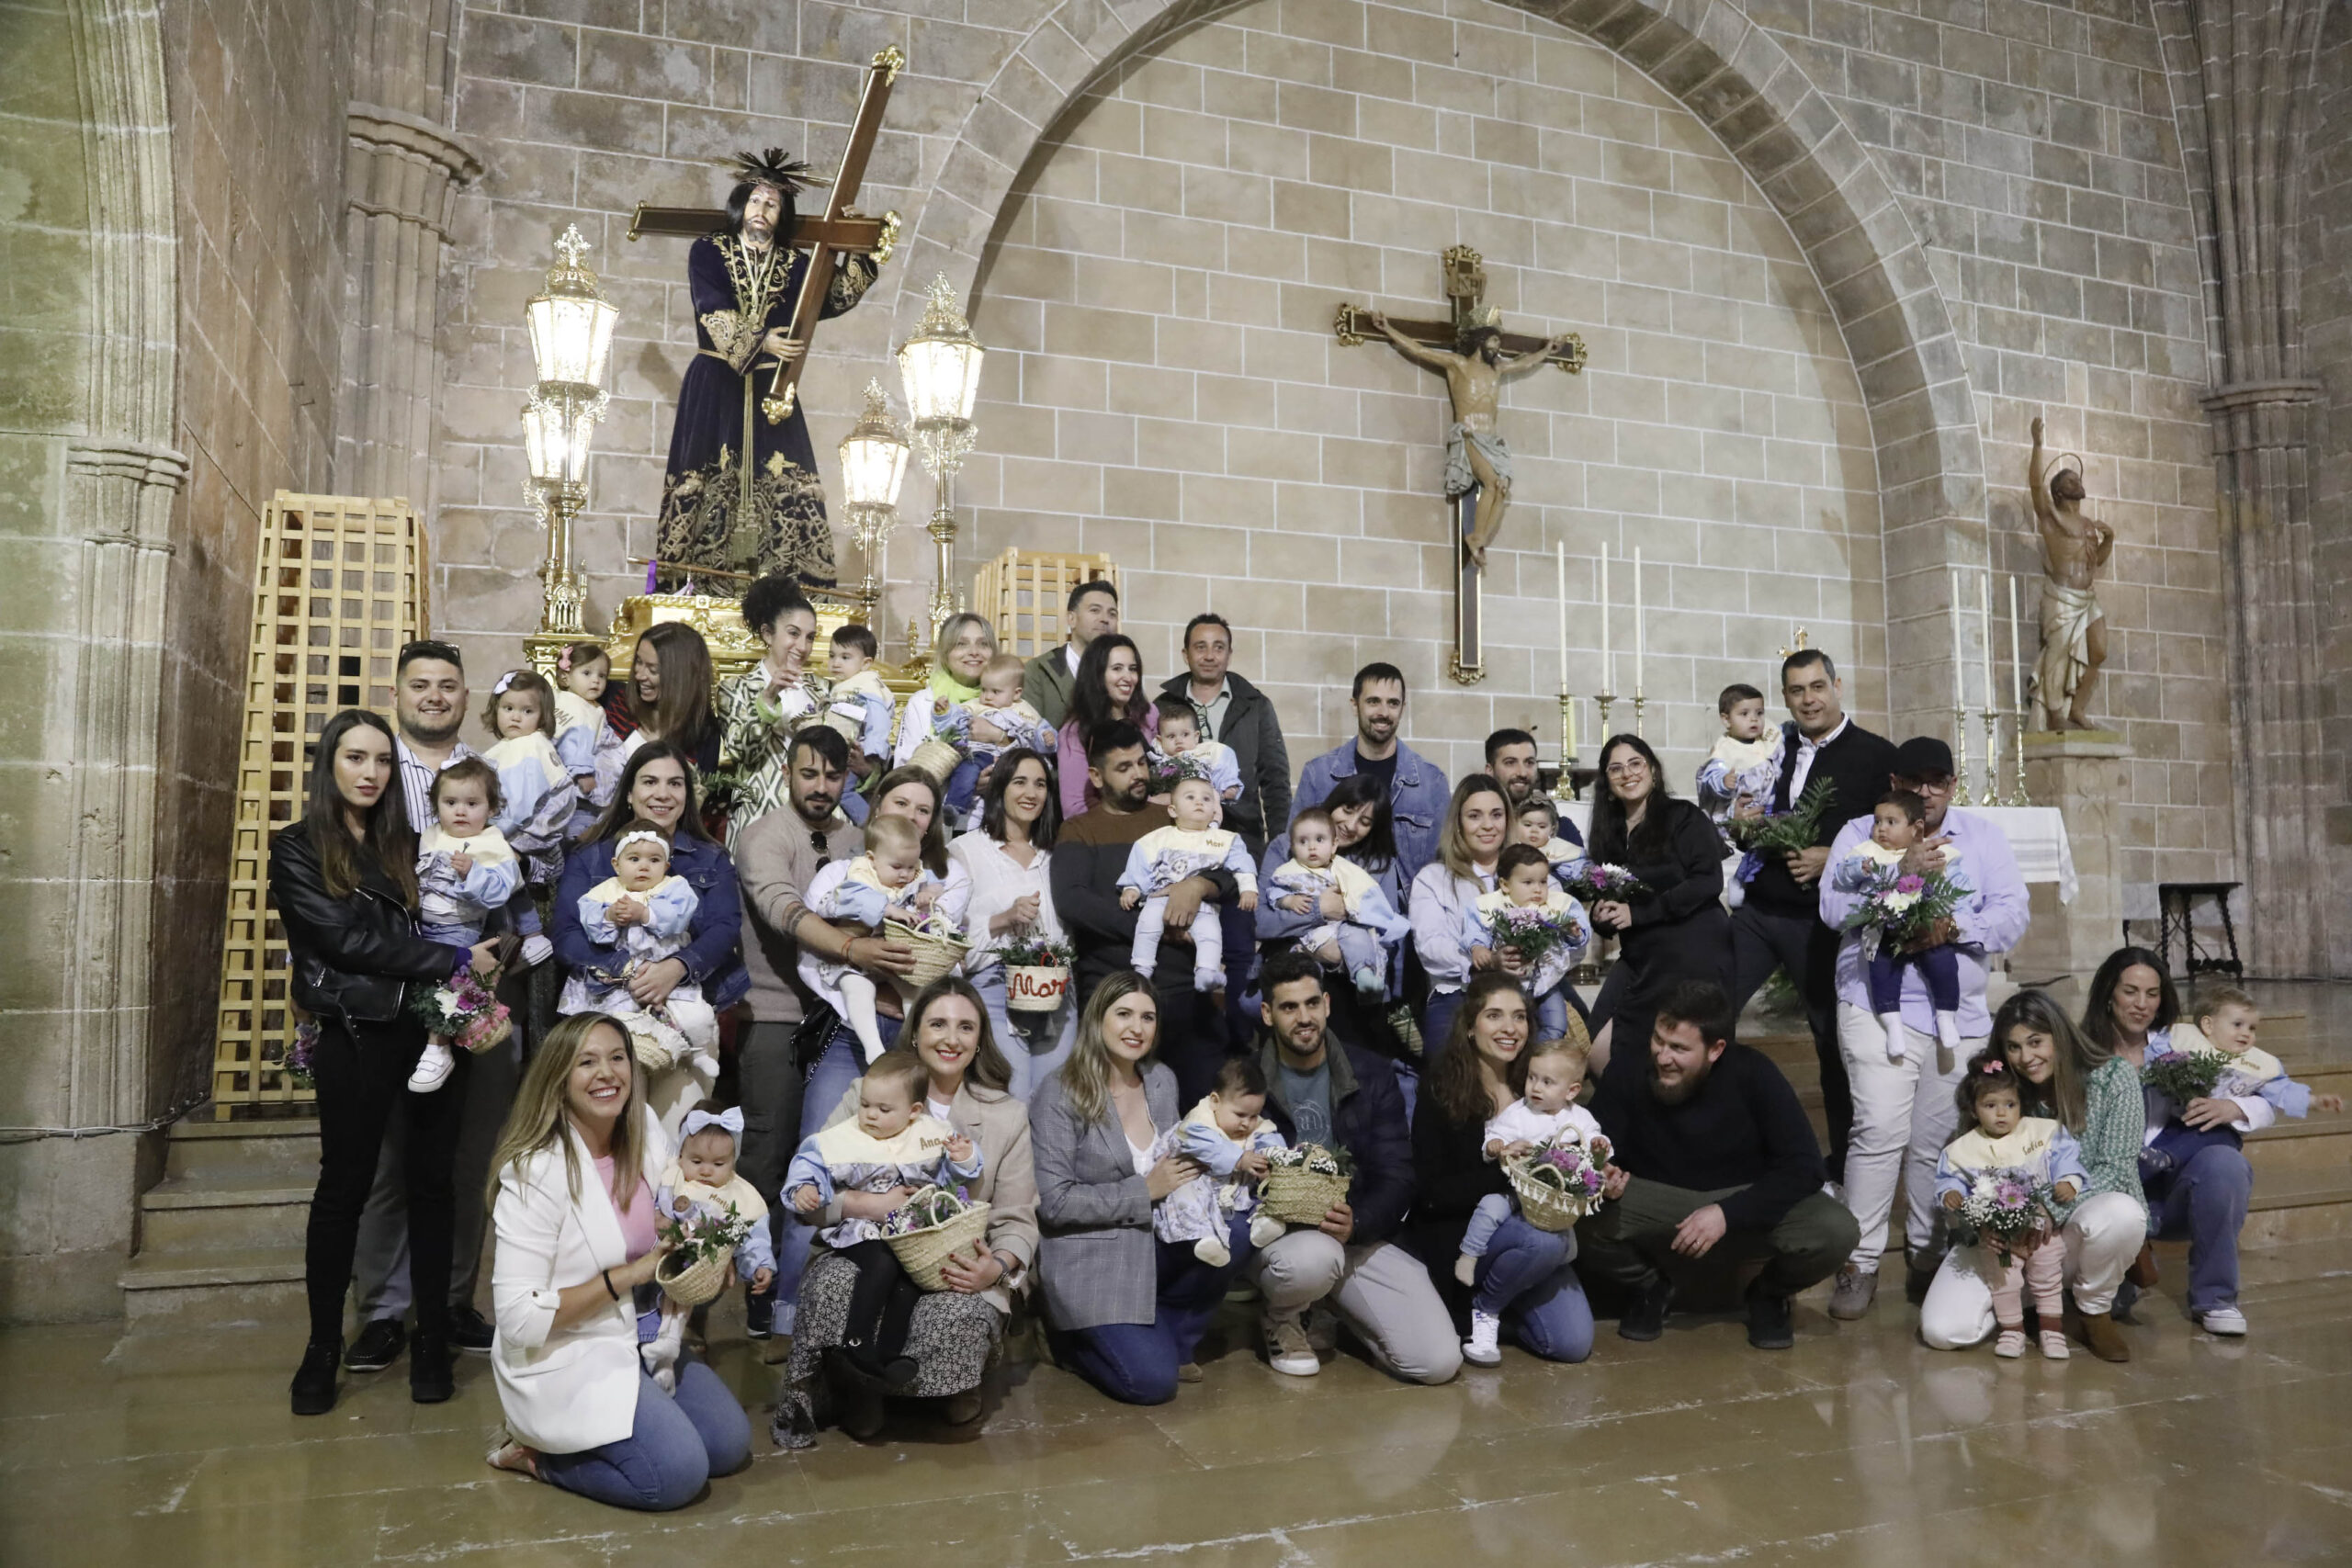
<point>1559,1181</point>
<point>1036,972</point>
<point>702,1242</point>
<point>465,1010</point>
<point>1303,1184</point>
<point>931,1226</point>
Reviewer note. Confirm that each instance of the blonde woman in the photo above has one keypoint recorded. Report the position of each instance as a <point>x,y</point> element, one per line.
<point>1469,842</point>
<point>572,1201</point>
<point>1124,1308</point>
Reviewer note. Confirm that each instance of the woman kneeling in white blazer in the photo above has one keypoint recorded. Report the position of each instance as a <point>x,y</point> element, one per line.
<point>576,1170</point>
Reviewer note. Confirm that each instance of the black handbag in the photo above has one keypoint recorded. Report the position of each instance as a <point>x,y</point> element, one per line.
<point>818,1023</point>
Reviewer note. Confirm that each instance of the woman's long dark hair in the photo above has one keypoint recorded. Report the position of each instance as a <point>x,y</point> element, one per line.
<point>1000,778</point>
<point>934,838</point>
<point>1609,841</point>
<point>683,713</point>
<point>1454,1083</point>
<point>390,842</point>
<point>988,1068</point>
<point>2099,1022</point>
<point>1376,851</point>
<point>619,813</point>
<point>1089,697</point>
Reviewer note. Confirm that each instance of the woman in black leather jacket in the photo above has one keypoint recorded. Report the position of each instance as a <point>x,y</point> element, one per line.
<point>343,883</point>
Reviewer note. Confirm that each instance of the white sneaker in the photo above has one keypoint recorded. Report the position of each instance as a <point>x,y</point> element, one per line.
<point>1481,1349</point>
<point>432,1070</point>
<point>2223,1320</point>
<point>1287,1350</point>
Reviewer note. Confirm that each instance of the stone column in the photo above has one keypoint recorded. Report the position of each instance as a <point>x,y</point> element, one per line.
<point>403,170</point>
<point>2255,59</point>
<point>402,179</point>
<point>2090,780</point>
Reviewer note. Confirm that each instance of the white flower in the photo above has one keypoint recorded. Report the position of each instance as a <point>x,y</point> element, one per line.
<point>1898,902</point>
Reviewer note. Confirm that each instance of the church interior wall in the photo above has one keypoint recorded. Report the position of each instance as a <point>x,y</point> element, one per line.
<point>2326,248</point>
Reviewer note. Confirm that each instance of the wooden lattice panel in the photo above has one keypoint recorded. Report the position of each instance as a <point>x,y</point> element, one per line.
<point>340,585</point>
<point>1023,594</point>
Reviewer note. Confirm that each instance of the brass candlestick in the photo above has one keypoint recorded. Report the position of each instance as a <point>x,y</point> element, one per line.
<point>1992,757</point>
<point>1960,776</point>
<point>1640,702</point>
<point>1604,701</point>
<point>1564,787</point>
<point>2018,795</point>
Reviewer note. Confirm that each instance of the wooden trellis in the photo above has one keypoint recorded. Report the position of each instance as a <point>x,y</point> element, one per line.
<point>342,583</point>
<point>1024,594</point>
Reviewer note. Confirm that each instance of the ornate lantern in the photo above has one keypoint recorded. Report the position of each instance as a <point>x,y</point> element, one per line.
<point>874,464</point>
<point>940,366</point>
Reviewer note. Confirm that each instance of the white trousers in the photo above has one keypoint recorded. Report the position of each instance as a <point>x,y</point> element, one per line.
<point>1905,1113</point>
<point>2102,1239</point>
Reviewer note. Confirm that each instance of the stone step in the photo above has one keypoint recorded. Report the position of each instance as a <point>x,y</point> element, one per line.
<point>213,1288</point>
<point>2318,1144</point>
<point>288,1144</point>
<point>2293,1207</point>
<point>247,1206</point>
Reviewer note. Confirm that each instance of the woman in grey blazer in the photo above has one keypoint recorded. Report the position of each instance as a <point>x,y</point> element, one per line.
<point>1124,1308</point>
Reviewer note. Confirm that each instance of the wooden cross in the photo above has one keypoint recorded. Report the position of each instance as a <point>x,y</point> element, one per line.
<point>825,236</point>
<point>1465,289</point>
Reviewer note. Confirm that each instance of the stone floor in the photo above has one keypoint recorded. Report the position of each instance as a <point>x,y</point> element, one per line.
<point>1856,1447</point>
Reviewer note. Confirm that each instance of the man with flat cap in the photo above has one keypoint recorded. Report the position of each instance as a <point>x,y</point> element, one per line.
<point>1905,1108</point>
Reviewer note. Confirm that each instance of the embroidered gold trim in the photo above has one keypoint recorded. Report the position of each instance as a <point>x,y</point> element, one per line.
<point>729,339</point>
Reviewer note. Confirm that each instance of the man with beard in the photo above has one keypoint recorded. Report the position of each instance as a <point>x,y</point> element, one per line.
<point>1714,1157</point>
<point>741,495</point>
<point>1320,1089</point>
<point>1417,788</point>
<point>775,859</point>
<point>1510,757</point>
<point>429,708</point>
<point>1090,853</point>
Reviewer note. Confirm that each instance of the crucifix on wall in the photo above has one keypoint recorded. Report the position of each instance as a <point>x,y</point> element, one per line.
<point>1475,355</point>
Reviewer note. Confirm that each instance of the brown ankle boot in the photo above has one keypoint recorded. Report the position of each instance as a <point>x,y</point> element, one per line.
<point>2104,1340</point>
<point>2143,1272</point>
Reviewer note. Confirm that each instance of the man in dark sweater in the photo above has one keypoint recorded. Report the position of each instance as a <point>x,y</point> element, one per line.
<point>1089,853</point>
<point>1778,925</point>
<point>1712,1149</point>
<point>1319,1089</point>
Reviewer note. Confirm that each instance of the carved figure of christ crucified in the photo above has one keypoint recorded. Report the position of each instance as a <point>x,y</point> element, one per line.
<point>1475,454</point>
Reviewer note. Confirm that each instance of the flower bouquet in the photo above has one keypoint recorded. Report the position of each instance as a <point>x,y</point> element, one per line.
<point>1559,1182</point>
<point>1597,882</point>
<point>1036,972</point>
<point>701,1242</point>
<point>1536,932</point>
<point>299,1053</point>
<point>932,1226</point>
<point>2184,1075</point>
<point>1896,909</point>
<point>2002,1207</point>
<point>1784,832</point>
<point>465,1009</point>
<point>1302,1184</point>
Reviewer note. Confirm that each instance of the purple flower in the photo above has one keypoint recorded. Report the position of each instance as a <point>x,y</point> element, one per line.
<point>1910,884</point>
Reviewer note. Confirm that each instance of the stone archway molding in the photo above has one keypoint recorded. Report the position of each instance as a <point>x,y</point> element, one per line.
<point>1784,130</point>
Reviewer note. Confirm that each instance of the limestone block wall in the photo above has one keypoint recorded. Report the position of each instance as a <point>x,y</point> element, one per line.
<point>257,93</point>
<point>2326,244</point>
<point>1167,388</point>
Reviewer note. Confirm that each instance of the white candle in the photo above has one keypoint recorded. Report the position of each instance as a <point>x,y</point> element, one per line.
<point>1958,670</point>
<point>1560,557</point>
<point>1607,685</point>
<point>1984,610</point>
<point>2017,663</point>
<point>1637,620</point>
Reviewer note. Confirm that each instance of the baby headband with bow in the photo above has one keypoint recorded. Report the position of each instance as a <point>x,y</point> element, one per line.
<point>730,1121</point>
<point>498,688</point>
<point>647,834</point>
<point>1995,1066</point>
<point>564,662</point>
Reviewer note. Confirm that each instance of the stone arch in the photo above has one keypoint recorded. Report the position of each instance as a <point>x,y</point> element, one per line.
<point>1755,99</point>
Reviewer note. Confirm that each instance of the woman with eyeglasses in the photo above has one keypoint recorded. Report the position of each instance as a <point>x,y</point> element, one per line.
<point>1677,929</point>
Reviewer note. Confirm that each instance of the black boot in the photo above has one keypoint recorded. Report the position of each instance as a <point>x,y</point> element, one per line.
<point>430,1379</point>
<point>1644,1315</point>
<point>1770,1325</point>
<point>315,1381</point>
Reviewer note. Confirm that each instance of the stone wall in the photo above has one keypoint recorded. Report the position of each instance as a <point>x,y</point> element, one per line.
<point>258,95</point>
<point>2326,244</point>
<point>1166,386</point>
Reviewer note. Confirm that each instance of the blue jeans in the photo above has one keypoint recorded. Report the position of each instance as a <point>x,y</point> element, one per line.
<point>1437,1018</point>
<point>2205,1200</point>
<point>1552,1013</point>
<point>1135,1363</point>
<point>677,1443</point>
<point>841,1064</point>
<point>1526,1279</point>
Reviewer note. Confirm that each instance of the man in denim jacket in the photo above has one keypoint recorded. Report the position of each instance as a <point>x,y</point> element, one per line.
<point>1417,788</point>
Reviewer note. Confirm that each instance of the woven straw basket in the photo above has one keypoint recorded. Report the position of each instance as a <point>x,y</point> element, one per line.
<point>694,1285</point>
<point>921,1252</point>
<point>848,728</point>
<point>936,757</point>
<point>1544,1207</point>
<point>486,1030</point>
<point>934,956</point>
<point>1299,1197</point>
<point>1035,987</point>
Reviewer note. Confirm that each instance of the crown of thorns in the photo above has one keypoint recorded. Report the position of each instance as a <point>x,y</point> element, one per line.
<point>789,176</point>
